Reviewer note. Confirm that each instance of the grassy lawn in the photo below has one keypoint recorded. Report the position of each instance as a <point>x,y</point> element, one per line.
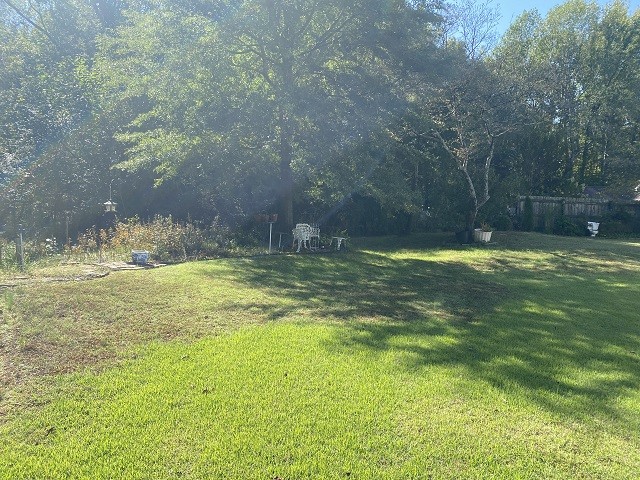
<point>403,358</point>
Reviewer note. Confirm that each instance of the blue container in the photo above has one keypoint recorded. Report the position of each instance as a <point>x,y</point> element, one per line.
<point>139,257</point>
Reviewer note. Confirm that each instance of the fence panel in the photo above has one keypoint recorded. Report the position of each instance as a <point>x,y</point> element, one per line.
<point>571,207</point>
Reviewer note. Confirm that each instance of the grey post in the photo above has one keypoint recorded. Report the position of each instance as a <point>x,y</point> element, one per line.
<point>20,247</point>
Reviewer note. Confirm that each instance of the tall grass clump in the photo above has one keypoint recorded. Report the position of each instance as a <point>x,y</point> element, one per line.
<point>165,239</point>
<point>34,251</point>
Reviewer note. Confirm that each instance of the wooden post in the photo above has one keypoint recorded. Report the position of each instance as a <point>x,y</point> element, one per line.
<point>68,243</point>
<point>20,247</point>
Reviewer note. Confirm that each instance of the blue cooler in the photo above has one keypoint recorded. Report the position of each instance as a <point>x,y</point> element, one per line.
<point>139,257</point>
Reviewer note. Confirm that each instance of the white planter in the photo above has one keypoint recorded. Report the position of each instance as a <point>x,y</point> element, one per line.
<point>480,236</point>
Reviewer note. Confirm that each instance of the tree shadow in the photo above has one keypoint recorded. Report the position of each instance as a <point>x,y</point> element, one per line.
<point>554,334</point>
<point>367,285</point>
<point>589,251</point>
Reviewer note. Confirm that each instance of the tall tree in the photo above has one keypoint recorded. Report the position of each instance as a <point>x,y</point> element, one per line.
<point>282,83</point>
<point>44,106</point>
<point>468,109</point>
<point>579,69</point>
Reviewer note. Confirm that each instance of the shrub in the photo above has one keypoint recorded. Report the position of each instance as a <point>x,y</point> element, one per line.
<point>563,225</point>
<point>34,251</point>
<point>527,215</point>
<point>503,223</point>
<point>619,223</point>
<point>166,240</point>
<point>549,219</point>
<point>614,228</point>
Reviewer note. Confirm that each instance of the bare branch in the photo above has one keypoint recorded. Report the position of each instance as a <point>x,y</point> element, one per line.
<point>31,22</point>
<point>334,29</point>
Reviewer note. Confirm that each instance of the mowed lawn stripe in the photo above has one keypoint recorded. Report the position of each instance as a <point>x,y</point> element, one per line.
<point>283,400</point>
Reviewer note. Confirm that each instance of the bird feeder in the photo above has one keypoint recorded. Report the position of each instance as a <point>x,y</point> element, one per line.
<point>110,206</point>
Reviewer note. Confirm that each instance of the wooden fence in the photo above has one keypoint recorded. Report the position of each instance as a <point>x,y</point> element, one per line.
<point>577,207</point>
<point>571,207</point>
<point>546,211</point>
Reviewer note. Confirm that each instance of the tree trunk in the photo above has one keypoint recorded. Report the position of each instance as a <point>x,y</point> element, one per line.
<point>286,174</point>
<point>603,162</point>
<point>585,156</point>
<point>473,196</point>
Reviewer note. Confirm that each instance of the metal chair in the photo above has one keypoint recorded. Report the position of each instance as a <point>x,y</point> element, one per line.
<point>314,237</point>
<point>302,235</point>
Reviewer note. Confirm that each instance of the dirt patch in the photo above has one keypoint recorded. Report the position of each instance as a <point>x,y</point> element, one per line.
<point>67,337</point>
<point>72,272</point>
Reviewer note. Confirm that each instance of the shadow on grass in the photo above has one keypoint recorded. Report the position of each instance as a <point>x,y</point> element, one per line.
<point>588,250</point>
<point>560,337</point>
<point>367,285</point>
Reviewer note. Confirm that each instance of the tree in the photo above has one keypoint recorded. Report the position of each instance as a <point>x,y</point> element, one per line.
<point>578,68</point>
<point>46,143</point>
<point>468,109</point>
<point>470,114</point>
<point>473,23</point>
<point>276,83</point>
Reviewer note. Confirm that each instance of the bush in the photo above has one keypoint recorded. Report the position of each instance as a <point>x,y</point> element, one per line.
<point>503,223</point>
<point>619,224</point>
<point>166,240</point>
<point>614,228</point>
<point>563,225</point>
<point>527,215</point>
<point>549,220</point>
<point>34,251</point>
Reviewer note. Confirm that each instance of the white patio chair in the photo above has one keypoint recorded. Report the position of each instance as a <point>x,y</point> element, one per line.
<point>314,237</point>
<point>302,235</point>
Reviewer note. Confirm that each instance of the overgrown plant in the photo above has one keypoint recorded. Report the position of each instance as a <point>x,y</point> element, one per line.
<point>33,250</point>
<point>166,239</point>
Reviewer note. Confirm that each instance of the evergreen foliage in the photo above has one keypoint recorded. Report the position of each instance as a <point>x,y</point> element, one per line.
<point>527,217</point>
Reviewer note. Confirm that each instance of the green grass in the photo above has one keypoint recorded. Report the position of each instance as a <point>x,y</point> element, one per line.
<point>515,360</point>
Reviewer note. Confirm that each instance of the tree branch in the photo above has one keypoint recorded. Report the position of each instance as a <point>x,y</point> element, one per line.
<point>27,19</point>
